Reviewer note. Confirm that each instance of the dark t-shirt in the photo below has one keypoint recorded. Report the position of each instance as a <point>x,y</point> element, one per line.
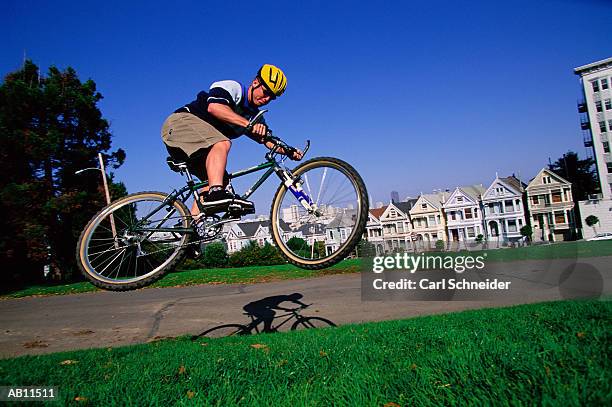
<point>229,93</point>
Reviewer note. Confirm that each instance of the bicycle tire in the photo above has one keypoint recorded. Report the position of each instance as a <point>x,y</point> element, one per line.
<point>220,331</point>
<point>357,232</point>
<point>94,226</point>
<point>309,323</point>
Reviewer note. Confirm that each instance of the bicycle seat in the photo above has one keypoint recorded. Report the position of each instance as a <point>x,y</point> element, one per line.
<point>176,165</point>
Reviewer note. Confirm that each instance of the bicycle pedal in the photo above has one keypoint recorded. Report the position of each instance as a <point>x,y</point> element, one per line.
<point>238,210</point>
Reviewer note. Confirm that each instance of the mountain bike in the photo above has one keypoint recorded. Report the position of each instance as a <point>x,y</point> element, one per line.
<point>301,322</point>
<point>318,216</point>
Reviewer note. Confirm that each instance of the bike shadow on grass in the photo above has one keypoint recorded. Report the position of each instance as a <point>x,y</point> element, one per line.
<point>268,316</point>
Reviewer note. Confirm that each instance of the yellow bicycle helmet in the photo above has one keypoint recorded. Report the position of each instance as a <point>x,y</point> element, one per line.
<point>273,79</point>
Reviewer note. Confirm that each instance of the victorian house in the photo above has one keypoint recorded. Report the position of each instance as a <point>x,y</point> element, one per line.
<point>374,230</point>
<point>503,208</point>
<point>551,207</point>
<point>339,229</point>
<point>391,227</point>
<point>239,234</point>
<point>463,214</point>
<point>428,221</point>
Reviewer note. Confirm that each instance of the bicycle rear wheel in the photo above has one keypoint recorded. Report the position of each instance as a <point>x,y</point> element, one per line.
<point>312,323</point>
<point>223,331</point>
<point>323,237</point>
<point>134,241</point>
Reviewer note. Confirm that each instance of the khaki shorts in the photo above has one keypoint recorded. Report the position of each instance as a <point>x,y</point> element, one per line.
<point>189,133</point>
<point>188,138</point>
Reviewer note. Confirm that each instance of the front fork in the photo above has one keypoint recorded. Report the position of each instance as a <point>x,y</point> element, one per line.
<point>294,184</point>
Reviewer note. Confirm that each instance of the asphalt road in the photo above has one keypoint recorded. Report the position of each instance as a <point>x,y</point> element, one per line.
<point>37,325</point>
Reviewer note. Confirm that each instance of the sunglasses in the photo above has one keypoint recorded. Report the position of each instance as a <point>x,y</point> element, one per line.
<point>268,93</point>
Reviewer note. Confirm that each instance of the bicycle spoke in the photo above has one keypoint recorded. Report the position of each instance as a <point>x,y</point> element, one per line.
<point>138,249</point>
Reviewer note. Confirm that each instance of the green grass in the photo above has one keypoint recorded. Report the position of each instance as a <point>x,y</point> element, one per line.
<point>540,354</point>
<point>252,275</point>
<point>242,275</point>
<point>550,251</point>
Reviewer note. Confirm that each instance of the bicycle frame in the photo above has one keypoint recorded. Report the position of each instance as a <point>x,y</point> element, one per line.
<point>253,325</point>
<point>192,187</point>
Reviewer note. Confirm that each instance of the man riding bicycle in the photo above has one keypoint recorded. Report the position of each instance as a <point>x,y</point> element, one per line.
<point>200,132</point>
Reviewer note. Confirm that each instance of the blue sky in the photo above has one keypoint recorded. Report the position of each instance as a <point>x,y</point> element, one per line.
<point>416,95</point>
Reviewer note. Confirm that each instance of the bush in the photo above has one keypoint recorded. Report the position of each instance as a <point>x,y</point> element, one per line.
<point>440,245</point>
<point>215,255</point>
<point>254,255</point>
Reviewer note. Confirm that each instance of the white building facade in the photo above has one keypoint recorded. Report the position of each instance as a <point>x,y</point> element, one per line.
<point>463,214</point>
<point>503,209</point>
<point>596,123</point>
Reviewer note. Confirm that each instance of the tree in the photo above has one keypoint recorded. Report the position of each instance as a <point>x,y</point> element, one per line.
<point>215,255</point>
<point>591,221</point>
<point>50,127</point>
<point>581,173</point>
<point>527,232</point>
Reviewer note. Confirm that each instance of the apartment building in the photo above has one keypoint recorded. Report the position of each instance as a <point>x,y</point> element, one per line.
<point>551,207</point>
<point>595,111</point>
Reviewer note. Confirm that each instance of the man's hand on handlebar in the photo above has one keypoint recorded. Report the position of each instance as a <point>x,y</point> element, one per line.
<point>260,131</point>
<point>296,155</point>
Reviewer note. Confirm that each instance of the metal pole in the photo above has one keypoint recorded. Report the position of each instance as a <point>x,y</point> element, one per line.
<point>108,200</point>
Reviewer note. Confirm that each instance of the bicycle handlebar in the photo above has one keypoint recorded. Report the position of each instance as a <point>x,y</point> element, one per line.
<point>289,150</point>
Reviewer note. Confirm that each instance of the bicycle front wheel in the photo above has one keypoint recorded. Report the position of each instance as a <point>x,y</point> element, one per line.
<point>134,241</point>
<point>326,233</point>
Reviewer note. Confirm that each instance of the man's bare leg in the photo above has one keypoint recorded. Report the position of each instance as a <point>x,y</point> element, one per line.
<point>216,160</point>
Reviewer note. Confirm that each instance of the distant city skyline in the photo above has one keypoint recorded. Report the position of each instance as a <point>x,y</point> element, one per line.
<point>417,97</point>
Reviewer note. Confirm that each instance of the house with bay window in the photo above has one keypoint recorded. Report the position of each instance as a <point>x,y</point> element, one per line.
<point>374,230</point>
<point>551,207</point>
<point>463,214</point>
<point>428,220</point>
<point>503,209</point>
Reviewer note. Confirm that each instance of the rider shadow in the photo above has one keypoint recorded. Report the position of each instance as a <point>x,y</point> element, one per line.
<point>263,311</point>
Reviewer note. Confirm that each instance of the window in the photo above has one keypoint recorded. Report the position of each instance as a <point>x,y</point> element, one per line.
<point>423,206</point>
<point>535,200</point>
<point>559,217</point>
<point>595,84</point>
<point>602,126</point>
<point>499,190</point>
<point>468,213</point>
<point>609,168</point>
<point>400,227</point>
<point>606,147</point>
<point>608,104</point>
<point>431,220</point>
<point>520,222</point>
<point>598,106</point>
<point>392,213</point>
<point>604,83</point>
<point>512,225</point>
<point>459,199</point>
<point>470,232</point>
<point>556,196</point>
<point>546,180</point>
<point>610,125</point>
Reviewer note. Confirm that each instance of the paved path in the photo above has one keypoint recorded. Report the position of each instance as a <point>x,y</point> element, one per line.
<point>101,319</point>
